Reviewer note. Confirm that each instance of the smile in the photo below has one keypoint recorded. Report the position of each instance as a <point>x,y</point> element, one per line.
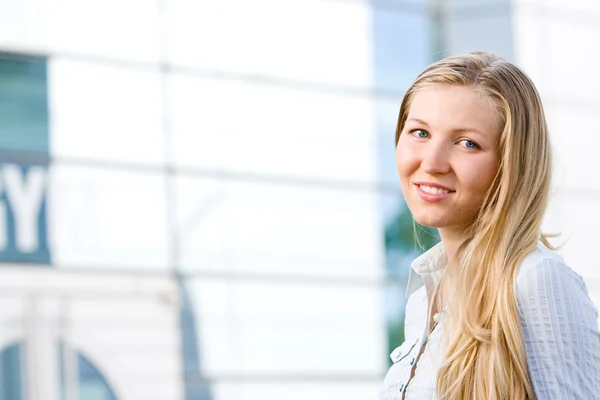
<point>433,194</point>
<point>433,190</point>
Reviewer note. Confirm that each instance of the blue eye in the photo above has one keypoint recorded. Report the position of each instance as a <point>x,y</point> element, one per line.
<point>420,133</point>
<point>469,144</point>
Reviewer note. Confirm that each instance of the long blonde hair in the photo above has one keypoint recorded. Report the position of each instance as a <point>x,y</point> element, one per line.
<point>485,354</point>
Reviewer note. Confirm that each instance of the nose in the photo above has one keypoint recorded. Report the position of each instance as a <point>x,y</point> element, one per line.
<point>436,159</point>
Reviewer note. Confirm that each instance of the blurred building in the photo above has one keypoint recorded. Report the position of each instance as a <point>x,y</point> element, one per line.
<point>198,198</point>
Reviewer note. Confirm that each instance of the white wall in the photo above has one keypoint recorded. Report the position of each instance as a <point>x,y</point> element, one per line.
<point>127,326</point>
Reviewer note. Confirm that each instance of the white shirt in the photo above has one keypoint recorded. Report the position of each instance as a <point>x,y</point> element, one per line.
<point>558,320</point>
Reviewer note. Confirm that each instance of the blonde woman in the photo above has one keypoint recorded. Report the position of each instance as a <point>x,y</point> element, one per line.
<point>492,313</point>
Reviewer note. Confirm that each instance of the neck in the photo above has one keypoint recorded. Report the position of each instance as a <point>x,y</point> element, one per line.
<point>452,239</point>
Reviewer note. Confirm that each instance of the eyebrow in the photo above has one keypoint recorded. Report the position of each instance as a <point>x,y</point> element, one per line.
<point>453,130</point>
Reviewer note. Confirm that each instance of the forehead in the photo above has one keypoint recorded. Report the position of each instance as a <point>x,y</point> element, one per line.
<point>447,106</point>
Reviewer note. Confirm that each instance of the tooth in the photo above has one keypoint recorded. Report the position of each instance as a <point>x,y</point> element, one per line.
<point>433,190</point>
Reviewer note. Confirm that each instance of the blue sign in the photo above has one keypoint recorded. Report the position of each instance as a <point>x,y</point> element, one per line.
<point>24,159</point>
<point>23,235</point>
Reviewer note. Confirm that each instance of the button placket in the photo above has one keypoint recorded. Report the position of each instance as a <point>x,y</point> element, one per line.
<point>398,355</point>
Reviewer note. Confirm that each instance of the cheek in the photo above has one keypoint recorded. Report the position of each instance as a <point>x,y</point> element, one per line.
<point>406,161</point>
<point>480,177</point>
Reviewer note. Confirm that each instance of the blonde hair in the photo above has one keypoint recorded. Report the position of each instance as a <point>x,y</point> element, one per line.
<point>485,355</point>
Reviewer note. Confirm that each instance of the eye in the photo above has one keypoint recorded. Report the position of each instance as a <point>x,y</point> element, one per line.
<point>419,133</point>
<point>469,144</point>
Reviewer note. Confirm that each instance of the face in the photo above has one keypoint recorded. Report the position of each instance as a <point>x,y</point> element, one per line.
<point>447,155</point>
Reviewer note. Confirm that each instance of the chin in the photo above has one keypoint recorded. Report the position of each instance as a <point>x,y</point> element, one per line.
<point>429,224</point>
<point>429,221</point>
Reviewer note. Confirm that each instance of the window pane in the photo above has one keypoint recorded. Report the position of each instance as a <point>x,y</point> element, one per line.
<point>273,130</point>
<point>105,112</point>
<point>20,28</point>
<point>10,373</point>
<point>347,389</point>
<point>196,385</point>
<point>491,31</point>
<point>23,104</point>
<point>386,119</point>
<point>569,54</point>
<point>402,47</point>
<point>107,218</point>
<point>90,383</point>
<point>476,5</point>
<point>112,28</point>
<point>573,156</point>
<point>311,40</point>
<point>261,227</point>
<point>260,329</point>
<point>124,30</point>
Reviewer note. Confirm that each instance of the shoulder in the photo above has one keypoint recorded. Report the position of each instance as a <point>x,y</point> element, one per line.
<point>544,270</point>
<point>546,285</point>
<point>553,301</point>
<point>559,323</point>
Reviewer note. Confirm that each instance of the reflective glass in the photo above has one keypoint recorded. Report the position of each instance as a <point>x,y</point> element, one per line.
<point>10,373</point>
<point>22,29</point>
<point>124,30</point>
<point>402,44</point>
<point>272,130</point>
<point>492,31</point>
<point>23,104</point>
<point>260,328</point>
<point>310,40</point>
<point>567,56</point>
<point>107,113</point>
<point>315,388</point>
<point>247,226</point>
<point>107,218</point>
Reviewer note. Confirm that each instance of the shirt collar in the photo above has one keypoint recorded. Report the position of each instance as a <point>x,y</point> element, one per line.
<point>428,266</point>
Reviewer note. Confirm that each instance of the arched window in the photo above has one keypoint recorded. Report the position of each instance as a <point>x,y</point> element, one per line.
<point>91,384</point>
<point>10,373</point>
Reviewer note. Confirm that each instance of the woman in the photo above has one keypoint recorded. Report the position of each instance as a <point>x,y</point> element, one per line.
<point>492,311</point>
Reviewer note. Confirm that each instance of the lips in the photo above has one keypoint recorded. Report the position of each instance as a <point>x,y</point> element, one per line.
<point>434,185</point>
<point>433,192</point>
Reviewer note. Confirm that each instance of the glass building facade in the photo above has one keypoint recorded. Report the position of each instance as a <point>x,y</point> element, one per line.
<point>198,199</point>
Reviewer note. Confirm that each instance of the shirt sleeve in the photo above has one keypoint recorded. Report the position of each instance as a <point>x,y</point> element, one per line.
<point>560,331</point>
